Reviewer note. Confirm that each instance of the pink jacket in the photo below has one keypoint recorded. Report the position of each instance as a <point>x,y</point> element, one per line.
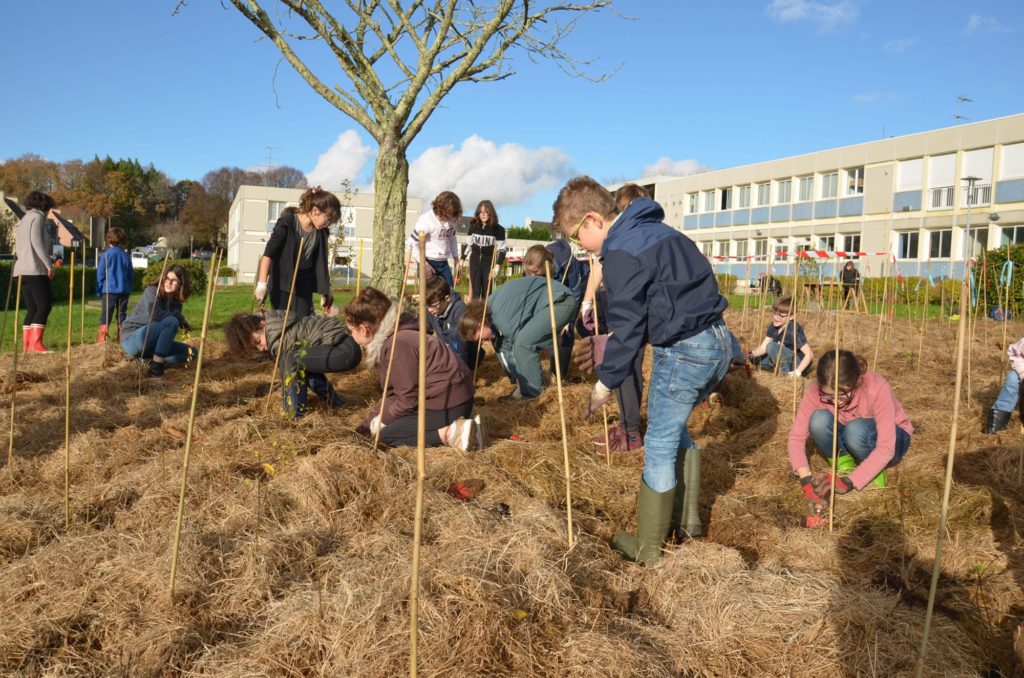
<point>873,399</point>
<point>1016,353</point>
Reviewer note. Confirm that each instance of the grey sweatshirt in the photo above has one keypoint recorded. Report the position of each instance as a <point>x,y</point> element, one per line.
<point>32,245</point>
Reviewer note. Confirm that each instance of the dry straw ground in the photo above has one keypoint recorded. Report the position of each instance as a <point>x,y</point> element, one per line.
<point>305,572</point>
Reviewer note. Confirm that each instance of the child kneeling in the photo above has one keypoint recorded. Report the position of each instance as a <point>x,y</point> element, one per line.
<point>782,341</point>
<point>874,430</point>
<point>1006,403</point>
<point>372,319</point>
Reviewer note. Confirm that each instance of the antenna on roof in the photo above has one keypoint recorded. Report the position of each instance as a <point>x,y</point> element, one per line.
<point>269,166</point>
<point>962,99</point>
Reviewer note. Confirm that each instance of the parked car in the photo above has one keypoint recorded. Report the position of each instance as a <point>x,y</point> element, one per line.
<point>139,260</point>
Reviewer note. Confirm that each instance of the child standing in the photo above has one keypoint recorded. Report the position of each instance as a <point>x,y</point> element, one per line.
<point>33,247</point>
<point>661,290</point>
<point>438,227</point>
<point>371,318</point>
<point>782,341</point>
<point>874,430</point>
<point>313,346</point>
<point>445,309</point>
<point>149,330</point>
<point>519,324</point>
<point>485,233</point>
<point>115,278</point>
<point>1006,403</point>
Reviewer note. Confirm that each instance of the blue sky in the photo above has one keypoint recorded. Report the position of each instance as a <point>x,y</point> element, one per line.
<point>697,84</point>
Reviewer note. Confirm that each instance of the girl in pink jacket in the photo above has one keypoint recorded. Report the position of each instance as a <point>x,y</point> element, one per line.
<point>1006,403</point>
<point>874,430</point>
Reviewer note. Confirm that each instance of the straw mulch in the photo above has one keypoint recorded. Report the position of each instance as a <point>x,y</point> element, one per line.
<point>295,555</point>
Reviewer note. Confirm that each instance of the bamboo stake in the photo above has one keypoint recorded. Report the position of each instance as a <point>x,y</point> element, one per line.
<point>950,458</point>
<point>924,320</point>
<point>561,404</point>
<point>210,284</point>
<point>881,314</point>
<point>421,459</point>
<point>106,307</point>
<point>394,340</point>
<point>81,326</point>
<point>7,304</point>
<point>67,396</point>
<point>14,371</point>
<point>835,433</point>
<point>359,269</point>
<point>483,318</point>
<point>284,324</point>
<point>796,363</point>
<point>746,298</point>
<point>604,408</point>
<point>145,337</point>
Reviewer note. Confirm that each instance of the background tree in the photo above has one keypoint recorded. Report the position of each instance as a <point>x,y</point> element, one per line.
<point>400,62</point>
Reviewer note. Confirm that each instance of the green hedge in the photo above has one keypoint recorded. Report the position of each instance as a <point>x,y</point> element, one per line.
<point>520,233</point>
<point>196,273</point>
<point>726,282</point>
<point>59,284</point>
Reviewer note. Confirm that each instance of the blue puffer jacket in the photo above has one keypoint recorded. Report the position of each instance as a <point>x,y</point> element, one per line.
<point>661,289</point>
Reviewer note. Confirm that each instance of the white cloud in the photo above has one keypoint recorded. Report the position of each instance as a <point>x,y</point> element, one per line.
<point>673,168</point>
<point>973,23</point>
<point>977,22</point>
<point>345,159</point>
<point>825,14</point>
<point>481,170</point>
<point>899,45</point>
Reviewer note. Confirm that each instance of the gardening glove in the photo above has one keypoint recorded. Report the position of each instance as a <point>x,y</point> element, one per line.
<point>795,374</point>
<point>494,271</point>
<point>375,425</point>
<point>822,483</point>
<point>326,302</point>
<point>589,352</point>
<point>260,293</point>
<point>588,316</point>
<point>599,397</point>
<point>807,485</point>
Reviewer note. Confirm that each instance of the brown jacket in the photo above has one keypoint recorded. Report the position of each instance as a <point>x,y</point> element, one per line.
<point>449,381</point>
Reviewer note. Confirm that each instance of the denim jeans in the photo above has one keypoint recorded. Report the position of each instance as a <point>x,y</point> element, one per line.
<point>159,342</point>
<point>857,438</point>
<point>1007,400</point>
<point>775,351</point>
<point>682,375</point>
<point>442,268</point>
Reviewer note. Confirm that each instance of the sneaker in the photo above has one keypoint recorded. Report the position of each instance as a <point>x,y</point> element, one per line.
<point>155,369</point>
<point>620,440</point>
<point>479,432</point>
<point>460,432</point>
<point>516,394</point>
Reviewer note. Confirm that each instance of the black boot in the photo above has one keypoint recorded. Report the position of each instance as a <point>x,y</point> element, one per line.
<point>997,421</point>
<point>156,369</point>
<point>321,386</point>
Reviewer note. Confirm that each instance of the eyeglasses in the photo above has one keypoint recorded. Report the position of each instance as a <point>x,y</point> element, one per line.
<point>573,236</point>
<point>842,398</point>
<point>171,280</point>
<point>780,314</point>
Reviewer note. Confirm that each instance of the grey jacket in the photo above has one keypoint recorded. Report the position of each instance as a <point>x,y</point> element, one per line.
<point>317,330</point>
<point>32,245</point>
<point>141,314</point>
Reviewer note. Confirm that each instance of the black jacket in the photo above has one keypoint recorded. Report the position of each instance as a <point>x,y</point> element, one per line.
<point>282,249</point>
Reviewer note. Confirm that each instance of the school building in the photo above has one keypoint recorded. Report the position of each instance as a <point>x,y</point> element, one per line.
<point>256,209</point>
<point>911,196</point>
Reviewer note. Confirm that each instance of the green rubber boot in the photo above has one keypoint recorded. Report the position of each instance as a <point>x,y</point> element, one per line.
<point>845,464</point>
<point>653,514</point>
<point>686,522</point>
<point>880,480</point>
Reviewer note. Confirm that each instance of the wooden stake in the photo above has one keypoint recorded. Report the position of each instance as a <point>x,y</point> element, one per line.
<point>421,458</point>
<point>14,371</point>
<point>483,319</point>
<point>145,337</point>
<point>950,458</point>
<point>394,340</point>
<point>81,326</point>
<point>210,284</point>
<point>561,403</point>
<point>924,320</point>
<point>604,408</point>
<point>835,431</point>
<point>106,307</point>
<point>881,314</point>
<point>7,305</point>
<point>746,298</point>
<point>284,324</point>
<point>67,396</point>
<point>359,269</point>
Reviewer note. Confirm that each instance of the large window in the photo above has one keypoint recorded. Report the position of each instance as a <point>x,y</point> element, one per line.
<point>806,188</point>
<point>693,203</point>
<point>744,196</point>
<point>827,243</point>
<point>784,191</point>
<point>940,244</point>
<point>1012,236</point>
<point>763,194</point>
<point>851,243</point>
<point>829,185</point>
<point>274,209</point>
<point>726,198</point>
<point>906,245</point>
<point>760,247</point>
<point>855,181</point>
<point>741,248</point>
<point>706,246</point>
<point>780,247</point>
<point>709,201</point>
<point>723,248</point>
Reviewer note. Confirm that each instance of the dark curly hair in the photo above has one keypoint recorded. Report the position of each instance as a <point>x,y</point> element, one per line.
<point>37,200</point>
<point>238,332</point>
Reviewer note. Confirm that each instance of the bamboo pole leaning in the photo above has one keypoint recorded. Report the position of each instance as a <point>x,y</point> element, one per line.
<point>67,396</point>
<point>81,327</point>
<point>835,431</point>
<point>421,460</point>
<point>881,312</point>
<point>14,371</point>
<point>359,269</point>
<point>394,339</point>
<point>106,308</point>
<point>948,484</point>
<point>284,324</point>
<point>210,284</point>
<point>483,319</point>
<point>561,403</point>
<point>604,408</point>
<point>7,304</point>
<point>149,324</point>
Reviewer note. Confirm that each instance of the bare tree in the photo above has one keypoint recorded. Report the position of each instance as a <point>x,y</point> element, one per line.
<point>400,62</point>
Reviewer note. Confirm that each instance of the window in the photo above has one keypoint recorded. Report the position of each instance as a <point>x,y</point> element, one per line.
<point>741,248</point>
<point>783,191</point>
<point>763,194</point>
<point>723,248</point>
<point>760,247</point>
<point>274,209</point>
<point>855,181</point>
<point>906,245</point>
<point>852,243</point>
<point>709,201</point>
<point>726,199</point>
<point>744,196</point>
<point>350,231</point>
<point>827,243</point>
<point>1012,236</point>
<point>940,244</point>
<point>705,248</point>
<point>942,197</point>
<point>694,202</point>
<point>806,188</point>
<point>829,185</point>
<point>780,247</point>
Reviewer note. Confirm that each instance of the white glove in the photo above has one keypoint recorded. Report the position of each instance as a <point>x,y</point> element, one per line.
<point>586,306</point>
<point>260,293</point>
<point>375,425</point>
<point>795,374</point>
<point>494,271</point>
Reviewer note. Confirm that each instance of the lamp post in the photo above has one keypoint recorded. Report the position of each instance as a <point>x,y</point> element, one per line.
<point>968,247</point>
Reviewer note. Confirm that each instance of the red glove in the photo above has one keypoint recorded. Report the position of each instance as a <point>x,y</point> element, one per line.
<point>822,484</point>
<point>807,484</point>
<point>589,352</point>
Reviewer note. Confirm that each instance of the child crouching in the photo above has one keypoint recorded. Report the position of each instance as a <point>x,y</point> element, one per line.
<point>1006,403</point>
<point>371,318</point>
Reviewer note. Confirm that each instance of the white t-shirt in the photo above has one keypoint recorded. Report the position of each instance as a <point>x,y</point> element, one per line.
<point>440,237</point>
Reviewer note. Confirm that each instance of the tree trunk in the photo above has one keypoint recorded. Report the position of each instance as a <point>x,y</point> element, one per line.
<point>391,185</point>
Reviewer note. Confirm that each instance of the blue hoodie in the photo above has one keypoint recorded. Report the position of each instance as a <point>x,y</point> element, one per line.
<point>661,289</point>
<point>446,328</point>
<point>114,272</point>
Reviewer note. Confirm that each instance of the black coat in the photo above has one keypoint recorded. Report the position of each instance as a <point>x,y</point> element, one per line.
<point>282,248</point>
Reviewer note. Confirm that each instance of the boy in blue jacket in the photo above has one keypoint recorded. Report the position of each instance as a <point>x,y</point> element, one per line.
<point>115,278</point>
<point>662,291</point>
<point>445,309</point>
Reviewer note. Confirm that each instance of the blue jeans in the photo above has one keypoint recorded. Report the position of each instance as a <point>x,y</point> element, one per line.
<point>775,351</point>
<point>442,268</point>
<point>1007,400</point>
<point>159,342</point>
<point>857,438</point>
<point>682,375</point>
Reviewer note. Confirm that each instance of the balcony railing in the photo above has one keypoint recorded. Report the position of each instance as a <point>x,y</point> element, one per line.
<point>980,195</point>
<point>942,198</point>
